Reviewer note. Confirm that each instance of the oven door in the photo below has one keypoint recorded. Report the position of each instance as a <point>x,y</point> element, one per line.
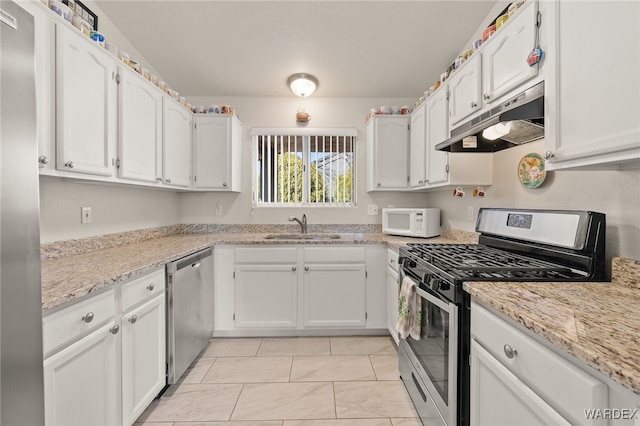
<point>435,355</point>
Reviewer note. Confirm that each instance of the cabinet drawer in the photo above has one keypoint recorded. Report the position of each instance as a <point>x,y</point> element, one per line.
<point>267,255</point>
<point>142,288</point>
<point>77,320</point>
<point>335,255</point>
<point>392,260</point>
<point>560,383</point>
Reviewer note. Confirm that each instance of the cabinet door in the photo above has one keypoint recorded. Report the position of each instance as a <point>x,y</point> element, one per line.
<point>390,142</point>
<point>86,104</point>
<point>143,357</point>
<point>504,57</point>
<point>594,123</point>
<point>437,110</point>
<point>140,128</point>
<point>176,144</point>
<point>392,303</point>
<point>334,295</point>
<point>266,296</point>
<point>418,148</point>
<point>81,382</point>
<point>498,397</point>
<point>212,158</point>
<point>464,87</point>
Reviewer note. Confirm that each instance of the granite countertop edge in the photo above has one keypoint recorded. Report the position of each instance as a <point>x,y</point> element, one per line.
<point>560,314</point>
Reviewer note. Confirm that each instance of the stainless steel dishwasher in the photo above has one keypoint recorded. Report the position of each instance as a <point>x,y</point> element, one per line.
<point>189,310</point>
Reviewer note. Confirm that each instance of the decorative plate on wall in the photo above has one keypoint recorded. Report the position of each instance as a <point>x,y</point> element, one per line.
<point>531,170</point>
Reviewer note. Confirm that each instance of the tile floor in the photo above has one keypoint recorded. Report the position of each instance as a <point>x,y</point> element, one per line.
<point>298,381</point>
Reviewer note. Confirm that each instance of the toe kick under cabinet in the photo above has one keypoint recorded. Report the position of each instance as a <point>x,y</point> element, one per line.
<point>292,290</point>
<point>104,356</point>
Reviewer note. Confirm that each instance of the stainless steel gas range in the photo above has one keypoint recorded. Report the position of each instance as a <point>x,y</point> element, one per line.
<point>514,245</point>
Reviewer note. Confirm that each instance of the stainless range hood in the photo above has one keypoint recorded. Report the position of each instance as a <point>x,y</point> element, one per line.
<point>524,113</point>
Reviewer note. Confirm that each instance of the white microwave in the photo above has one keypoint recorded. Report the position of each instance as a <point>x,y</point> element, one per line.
<point>409,222</point>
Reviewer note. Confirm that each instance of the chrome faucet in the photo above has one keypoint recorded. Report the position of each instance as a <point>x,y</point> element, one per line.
<point>302,223</point>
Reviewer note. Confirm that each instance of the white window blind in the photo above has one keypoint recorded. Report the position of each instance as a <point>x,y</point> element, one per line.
<point>304,167</point>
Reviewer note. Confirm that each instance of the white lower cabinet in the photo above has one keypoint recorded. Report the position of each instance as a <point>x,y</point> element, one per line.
<point>286,289</point>
<point>143,357</point>
<point>81,382</point>
<point>102,367</point>
<point>517,380</point>
<point>393,290</point>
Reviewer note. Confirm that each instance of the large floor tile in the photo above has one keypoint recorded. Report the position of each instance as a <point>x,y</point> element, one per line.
<point>252,423</point>
<point>372,399</point>
<point>249,370</point>
<point>406,422</point>
<point>331,368</point>
<point>362,345</point>
<point>295,346</point>
<point>232,347</point>
<point>197,370</point>
<point>339,422</point>
<point>193,403</point>
<point>385,367</point>
<point>283,401</point>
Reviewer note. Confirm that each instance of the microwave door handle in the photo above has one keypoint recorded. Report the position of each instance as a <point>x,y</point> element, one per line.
<point>447,307</point>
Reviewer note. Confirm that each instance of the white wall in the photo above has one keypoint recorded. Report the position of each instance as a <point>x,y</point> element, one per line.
<point>114,209</point>
<point>281,112</point>
<point>615,193</point>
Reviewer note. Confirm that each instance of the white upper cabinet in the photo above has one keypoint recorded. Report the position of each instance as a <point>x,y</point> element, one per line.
<point>387,152</point>
<point>217,152</point>
<point>593,116</point>
<point>86,105</point>
<point>176,144</point>
<point>437,114</point>
<point>504,57</point>
<point>140,136</point>
<point>465,90</point>
<point>418,148</point>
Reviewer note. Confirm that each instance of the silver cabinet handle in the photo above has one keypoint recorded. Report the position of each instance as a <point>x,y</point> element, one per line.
<point>167,180</point>
<point>224,184</point>
<point>133,319</point>
<point>69,164</point>
<point>43,159</point>
<point>392,261</point>
<point>150,287</point>
<point>159,179</point>
<point>195,265</point>
<point>379,184</point>
<point>548,155</point>
<point>306,268</point>
<point>293,268</point>
<point>88,317</point>
<point>115,329</point>
<point>510,352</point>
<point>486,96</point>
<point>474,104</point>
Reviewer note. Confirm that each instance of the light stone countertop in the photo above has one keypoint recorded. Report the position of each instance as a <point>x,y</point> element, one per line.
<point>68,278</point>
<point>598,323</point>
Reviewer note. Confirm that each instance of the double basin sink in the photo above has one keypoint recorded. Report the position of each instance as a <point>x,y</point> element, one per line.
<point>314,237</point>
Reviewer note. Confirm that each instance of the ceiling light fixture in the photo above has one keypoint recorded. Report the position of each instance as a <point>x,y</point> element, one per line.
<point>302,84</point>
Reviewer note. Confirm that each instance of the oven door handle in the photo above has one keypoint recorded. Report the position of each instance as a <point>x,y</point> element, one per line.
<point>445,306</point>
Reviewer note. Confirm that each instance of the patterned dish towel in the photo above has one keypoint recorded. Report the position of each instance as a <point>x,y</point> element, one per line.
<point>409,310</point>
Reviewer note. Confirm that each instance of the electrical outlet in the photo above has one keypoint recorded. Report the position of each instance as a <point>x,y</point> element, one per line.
<point>218,208</point>
<point>470,212</point>
<point>86,215</point>
<point>372,209</point>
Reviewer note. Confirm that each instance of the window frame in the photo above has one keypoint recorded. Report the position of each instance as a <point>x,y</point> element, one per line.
<point>306,158</point>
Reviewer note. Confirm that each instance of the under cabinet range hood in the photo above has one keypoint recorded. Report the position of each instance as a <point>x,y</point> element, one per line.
<point>516,121</point>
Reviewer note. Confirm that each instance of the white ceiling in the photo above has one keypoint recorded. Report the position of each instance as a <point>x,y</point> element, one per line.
<point>249,48</point>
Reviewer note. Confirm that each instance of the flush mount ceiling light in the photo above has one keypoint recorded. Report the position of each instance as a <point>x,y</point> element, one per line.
<point>302,84</point>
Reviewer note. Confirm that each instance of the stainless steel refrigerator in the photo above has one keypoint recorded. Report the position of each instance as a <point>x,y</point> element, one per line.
<point>21,377</point>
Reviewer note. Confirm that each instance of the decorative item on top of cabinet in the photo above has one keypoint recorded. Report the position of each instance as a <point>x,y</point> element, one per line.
<point>387,152</point>
<point>217,152</point>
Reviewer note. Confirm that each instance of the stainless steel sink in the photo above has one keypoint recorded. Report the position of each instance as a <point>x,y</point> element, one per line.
<point>302,237</point>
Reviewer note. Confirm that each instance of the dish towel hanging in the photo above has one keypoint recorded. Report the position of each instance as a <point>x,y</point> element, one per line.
<point>409,310</point>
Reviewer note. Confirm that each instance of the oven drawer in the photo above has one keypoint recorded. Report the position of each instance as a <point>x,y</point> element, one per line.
<point>557,381</point>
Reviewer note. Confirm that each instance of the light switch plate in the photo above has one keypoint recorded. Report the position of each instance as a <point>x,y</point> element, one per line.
<point>86,216</point>
<point>372,209</point>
